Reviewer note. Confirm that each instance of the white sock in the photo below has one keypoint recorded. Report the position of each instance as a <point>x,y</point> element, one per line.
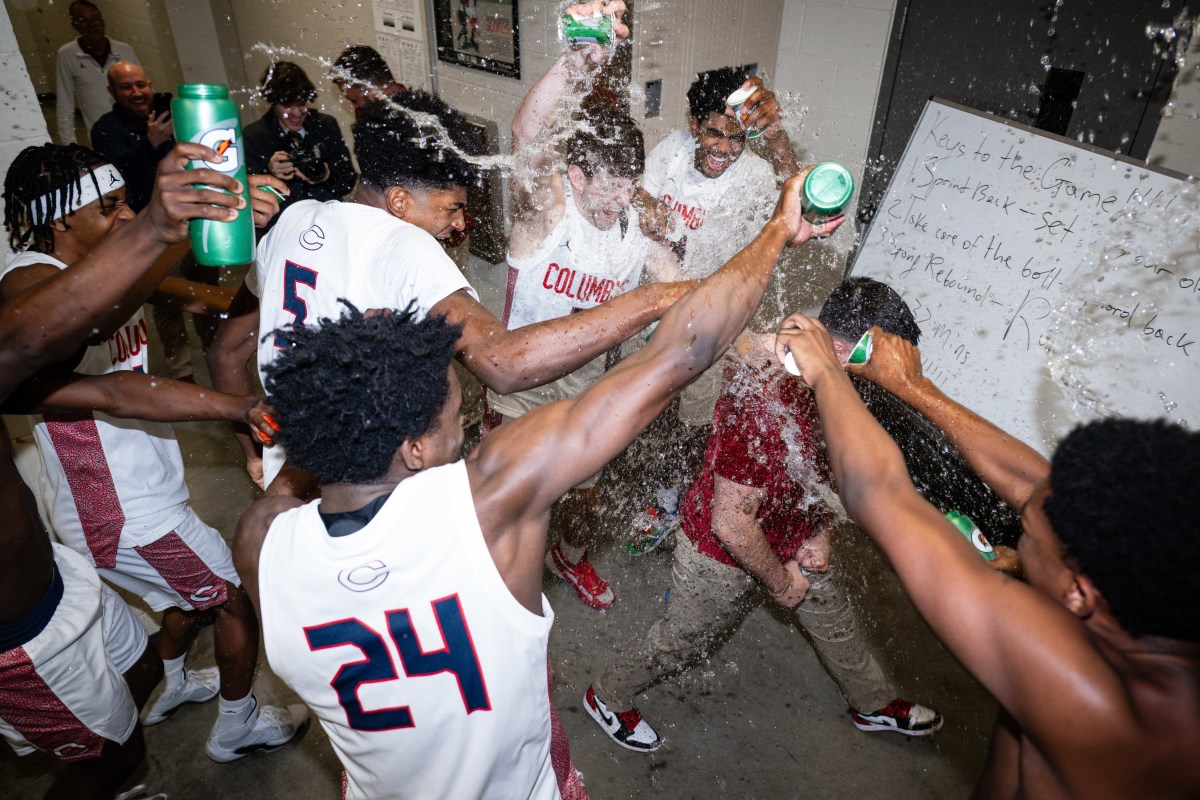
<point>570,552</point>
<point>173,673</point>
<point>237,713</point>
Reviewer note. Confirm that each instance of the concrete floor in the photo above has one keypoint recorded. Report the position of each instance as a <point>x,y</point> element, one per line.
<point>760,719</point>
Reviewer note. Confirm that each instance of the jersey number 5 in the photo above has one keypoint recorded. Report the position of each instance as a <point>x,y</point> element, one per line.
<point>457,657</point>
<point>292,302</point>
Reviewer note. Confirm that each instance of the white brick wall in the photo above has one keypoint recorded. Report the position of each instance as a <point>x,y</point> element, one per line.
<point>831,58</point>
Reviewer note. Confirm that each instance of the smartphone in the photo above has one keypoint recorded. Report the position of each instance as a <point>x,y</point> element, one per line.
<point>161,103</point>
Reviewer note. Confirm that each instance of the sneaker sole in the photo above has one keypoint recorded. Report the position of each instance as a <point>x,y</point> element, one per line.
<point>227,756</point>
<point>594,713</point>
<point>163,716</point>
<point>880,726</point>
<point>590,601</point>
<point>156,717</point>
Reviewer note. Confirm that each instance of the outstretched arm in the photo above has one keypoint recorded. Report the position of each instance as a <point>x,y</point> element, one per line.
<point>46,322</point>
<point>135,395</point>
<point>535,191</point>
<point>1021,644</point>
<point>509,361</point>
<point>1008,465</point>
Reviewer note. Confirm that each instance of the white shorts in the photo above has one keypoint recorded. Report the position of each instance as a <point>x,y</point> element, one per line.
<point>186,568</point>
<point>63,691</point>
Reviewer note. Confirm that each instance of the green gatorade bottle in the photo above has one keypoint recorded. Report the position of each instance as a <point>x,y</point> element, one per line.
<point>966,526</point>
<point>587,30</point>
<point>204,114</point>
<point>827,188</point>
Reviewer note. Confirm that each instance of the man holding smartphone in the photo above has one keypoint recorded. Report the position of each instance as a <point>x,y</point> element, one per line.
<point>138,131</point>
<point>135,136</point>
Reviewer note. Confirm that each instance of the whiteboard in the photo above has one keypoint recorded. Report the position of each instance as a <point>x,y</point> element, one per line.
<point>1053,282</point>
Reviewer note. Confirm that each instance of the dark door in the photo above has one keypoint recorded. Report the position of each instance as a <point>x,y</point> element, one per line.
<point>1097,70</point>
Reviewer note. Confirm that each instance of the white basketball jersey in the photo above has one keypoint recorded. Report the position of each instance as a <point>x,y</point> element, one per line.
<point>428,676</point>
<point>319,253</point>
<point>107,481</point>
<point>719,216</point>
<point>577,266</point>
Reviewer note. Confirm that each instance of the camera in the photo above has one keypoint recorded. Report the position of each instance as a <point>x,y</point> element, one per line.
<point>306,160</point>
<point>161,103</point>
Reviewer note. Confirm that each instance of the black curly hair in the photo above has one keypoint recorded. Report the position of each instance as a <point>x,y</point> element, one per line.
<point>39,171</point>
<point>362,63</point>
<point>1121,503</point>
<point>396,148</point>
<point>606,139</point>
<point>708,92</point>
<point>856,304</point>
<point>286,83</point>
<point>348,392</point>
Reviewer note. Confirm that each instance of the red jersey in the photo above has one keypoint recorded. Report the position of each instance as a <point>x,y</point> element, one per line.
<point>767,434</point>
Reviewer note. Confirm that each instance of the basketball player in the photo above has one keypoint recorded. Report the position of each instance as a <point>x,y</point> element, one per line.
<point>114,490</point>
<point>74,662</point>
<point>574,245</point>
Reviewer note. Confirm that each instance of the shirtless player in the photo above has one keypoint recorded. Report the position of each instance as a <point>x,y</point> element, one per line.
<point>1095,661</point>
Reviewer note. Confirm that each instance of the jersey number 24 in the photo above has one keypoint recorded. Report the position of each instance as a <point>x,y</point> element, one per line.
<point>457,657</point>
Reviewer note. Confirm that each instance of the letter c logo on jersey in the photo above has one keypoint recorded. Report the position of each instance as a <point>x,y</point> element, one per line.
<point>313,238</point>
<point>365,577</point>
<point>224,141</point>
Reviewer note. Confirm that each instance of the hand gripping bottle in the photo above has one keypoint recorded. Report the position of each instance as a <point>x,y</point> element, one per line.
<point>966,526</point>
<point>861,354</point>
<point>827,188</point>
<point>586,30</point>
<point>204,114</point>
<point>735,102</point>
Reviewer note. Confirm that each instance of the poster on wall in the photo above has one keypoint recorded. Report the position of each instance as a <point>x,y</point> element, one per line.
<point>400,18</point>
<point>481,34</point>
<point>400,39</point>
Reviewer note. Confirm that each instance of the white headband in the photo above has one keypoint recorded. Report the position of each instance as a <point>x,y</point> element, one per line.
<point>107,178</point>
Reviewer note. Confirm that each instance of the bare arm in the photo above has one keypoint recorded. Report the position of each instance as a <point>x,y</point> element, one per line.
<point>192,297</point>
<point>735,524</point>
<point>537,195</point>
<point>509,361</point>
<point>135,395</point>
<point>1008,465</point>
<point>229,360</point>
<point>248,540</point>
<point>766,115</point>
<point>47,322</point>
<point>1022,645</point>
